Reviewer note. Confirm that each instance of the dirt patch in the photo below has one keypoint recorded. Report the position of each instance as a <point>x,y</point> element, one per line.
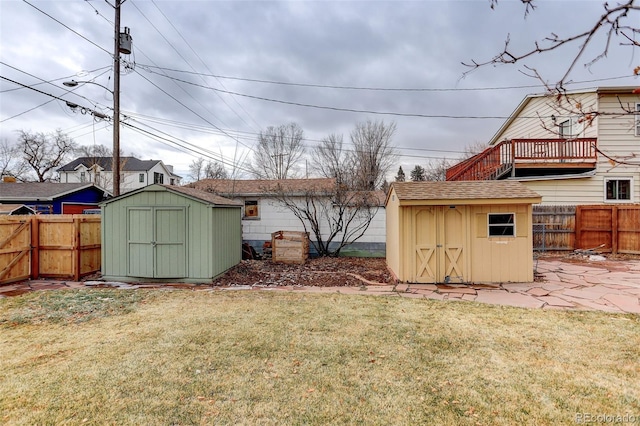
<point>320,272</point>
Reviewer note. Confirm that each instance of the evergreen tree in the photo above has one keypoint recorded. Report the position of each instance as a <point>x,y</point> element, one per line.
<point>400,177</point>
<point>418,174</point>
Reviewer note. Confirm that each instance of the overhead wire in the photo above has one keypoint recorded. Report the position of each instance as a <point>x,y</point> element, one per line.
<point>381,89</point>
<point>187,62</point>
<point>68,27</point>
<point>205,65</point>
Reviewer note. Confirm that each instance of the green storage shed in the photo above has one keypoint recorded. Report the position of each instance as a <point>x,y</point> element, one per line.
<point>165,233</point>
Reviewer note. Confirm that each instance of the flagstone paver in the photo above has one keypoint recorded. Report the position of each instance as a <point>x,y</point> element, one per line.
<point>556,302</point>
<point>625,303</point>
<point>559,285</point>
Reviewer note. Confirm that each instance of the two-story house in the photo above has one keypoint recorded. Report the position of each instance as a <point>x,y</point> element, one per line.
<point>134,173</point>
<point>582,147</point>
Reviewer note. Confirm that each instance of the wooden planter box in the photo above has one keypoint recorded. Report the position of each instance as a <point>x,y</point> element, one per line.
<point>290,246</point>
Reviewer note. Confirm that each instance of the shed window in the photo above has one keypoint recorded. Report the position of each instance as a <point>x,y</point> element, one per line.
<point>251,209</point>
<point>618,190</point>
<point>502,225</point>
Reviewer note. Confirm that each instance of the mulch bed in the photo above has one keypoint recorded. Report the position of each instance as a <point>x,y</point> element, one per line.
<point>320,272</point>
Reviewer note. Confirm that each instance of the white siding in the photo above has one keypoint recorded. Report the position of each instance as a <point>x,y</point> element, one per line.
<point>274,217</point>
<point>535,122</point>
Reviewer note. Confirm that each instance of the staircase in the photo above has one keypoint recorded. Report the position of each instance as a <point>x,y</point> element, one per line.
<point>491,164</point>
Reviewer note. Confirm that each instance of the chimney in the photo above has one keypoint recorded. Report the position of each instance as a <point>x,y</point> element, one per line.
<point>8,179</point>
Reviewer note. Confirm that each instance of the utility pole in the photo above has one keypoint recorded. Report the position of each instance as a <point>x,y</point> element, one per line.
<point>116,103</point>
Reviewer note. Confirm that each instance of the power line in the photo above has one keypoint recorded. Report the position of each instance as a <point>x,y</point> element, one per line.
<point>381,89</point>
<point>206,66</point>
<point>331,108</point>
<point>68,27</point>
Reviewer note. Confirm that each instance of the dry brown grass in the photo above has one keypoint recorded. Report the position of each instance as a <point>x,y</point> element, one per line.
<point>292,358</point>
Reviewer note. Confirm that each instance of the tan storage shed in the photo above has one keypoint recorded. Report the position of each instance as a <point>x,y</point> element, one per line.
<point>479,231</point>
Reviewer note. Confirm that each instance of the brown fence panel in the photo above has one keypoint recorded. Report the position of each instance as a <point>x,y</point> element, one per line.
<point>51,246</point>
<point>554,227</point>
<point>594,228</point>
<point>15,248</point>
<point>614,229</point>
<point>628,227</point>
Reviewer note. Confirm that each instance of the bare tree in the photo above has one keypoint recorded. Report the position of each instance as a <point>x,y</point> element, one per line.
<point>45,152</point>
<point>278,152</point>
<point>331,160</point>
<point>11,161</point>
<point>374,153</point>
<point>336,217</point>
<point>620,20</point>
<point>94,151</point>
<point>196,169</point>
<point>436,170</point>
<point>215,170</point>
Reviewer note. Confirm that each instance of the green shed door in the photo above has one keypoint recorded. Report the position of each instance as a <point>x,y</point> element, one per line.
<point>170,242</point>
<point>157,242</point>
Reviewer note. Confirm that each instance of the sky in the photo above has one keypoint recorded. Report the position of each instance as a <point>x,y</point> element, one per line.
<point>204,78</point>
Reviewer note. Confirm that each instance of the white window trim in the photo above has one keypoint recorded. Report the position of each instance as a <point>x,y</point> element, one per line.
<point>632,190</point>
<point>501,236</point>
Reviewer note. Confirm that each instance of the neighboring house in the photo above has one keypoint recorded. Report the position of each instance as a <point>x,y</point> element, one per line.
<point>263,214</point>
<point>581,148</point>
<point>134,174</point>
<point>15,210</point>
<point>53,198</point>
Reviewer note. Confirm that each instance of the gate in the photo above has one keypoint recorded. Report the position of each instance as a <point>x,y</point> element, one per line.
<point>15,249</point>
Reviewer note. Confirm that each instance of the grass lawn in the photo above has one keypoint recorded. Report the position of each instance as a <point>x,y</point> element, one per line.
<point>256,357</point>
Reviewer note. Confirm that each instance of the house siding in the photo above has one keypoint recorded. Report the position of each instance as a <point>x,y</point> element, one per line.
<point>275,217</point>
<point>535,122</point>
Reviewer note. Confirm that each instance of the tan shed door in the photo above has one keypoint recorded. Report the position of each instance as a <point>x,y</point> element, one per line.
<point>439,244</point>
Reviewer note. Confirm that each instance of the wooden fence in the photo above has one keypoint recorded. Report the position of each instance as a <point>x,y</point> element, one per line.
<point>607,228</point>
<point>44,246</point>
<point>614,229</point>
<point>554,228</point>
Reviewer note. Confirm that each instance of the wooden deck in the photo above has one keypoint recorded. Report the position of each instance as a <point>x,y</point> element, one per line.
<point>497,161</point>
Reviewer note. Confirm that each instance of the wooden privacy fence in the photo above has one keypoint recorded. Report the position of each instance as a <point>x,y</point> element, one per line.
<point>43,246</point>
<point>607,228</point>
<point>614,229</point>
<point>554,228</point>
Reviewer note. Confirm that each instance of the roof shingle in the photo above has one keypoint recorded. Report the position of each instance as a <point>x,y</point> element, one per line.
<point>464,190</point>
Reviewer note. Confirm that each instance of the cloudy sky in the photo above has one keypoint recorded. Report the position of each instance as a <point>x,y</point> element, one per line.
<point>205,77</point>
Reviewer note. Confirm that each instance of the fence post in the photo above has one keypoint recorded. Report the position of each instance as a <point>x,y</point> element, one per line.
<point>76,255</point>
<point>578,227</point>
<point>35,247</point>
<point>614,230</point>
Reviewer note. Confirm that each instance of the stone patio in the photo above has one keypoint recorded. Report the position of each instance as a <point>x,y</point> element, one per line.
<point>611,286</point>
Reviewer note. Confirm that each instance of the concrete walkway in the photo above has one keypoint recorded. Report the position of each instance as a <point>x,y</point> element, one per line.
<point>610,286</point>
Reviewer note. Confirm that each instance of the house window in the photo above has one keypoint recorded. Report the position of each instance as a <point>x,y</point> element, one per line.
<point>638,119</point>
<point>158,177</point>
<point>618,189</point>
<point>141,178</point>
<point>97,177</point>
<point>564,129</point>
<point>172,181</point>
<point>83,177</point>
<point>251,209</point>
<point>502,225</point>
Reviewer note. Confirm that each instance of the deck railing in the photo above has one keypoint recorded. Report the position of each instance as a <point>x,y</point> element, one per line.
<point>498,159</point>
